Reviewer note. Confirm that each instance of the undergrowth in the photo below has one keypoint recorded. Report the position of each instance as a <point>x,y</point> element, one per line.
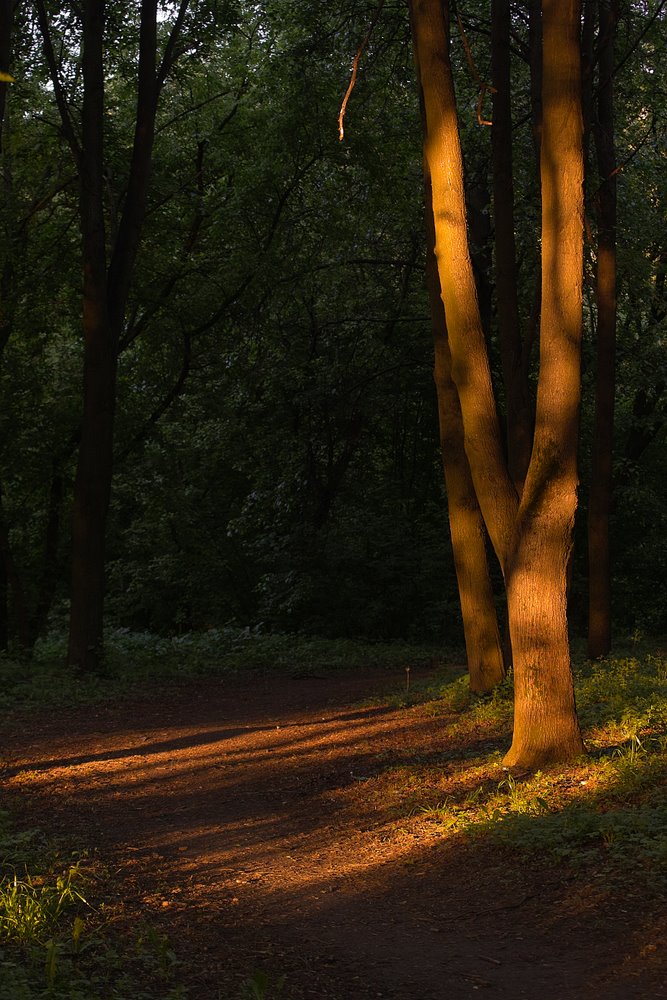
<point>608,809</point>
<point>59,940</point>
<point>606,812</point>
<point>132,659</point>
<point>56,943</point>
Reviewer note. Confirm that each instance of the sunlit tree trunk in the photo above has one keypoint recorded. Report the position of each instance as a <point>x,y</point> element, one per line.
<point>484,652</point>
<point>599,506</point>
<point>545,721</point>
<point>532,540</point>
<point>486,665</point>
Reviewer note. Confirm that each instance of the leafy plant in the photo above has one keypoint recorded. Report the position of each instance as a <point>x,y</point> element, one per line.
<point>31,907</point>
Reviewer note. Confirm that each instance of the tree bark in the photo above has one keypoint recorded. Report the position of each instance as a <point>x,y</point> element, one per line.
<point>600,499</point>
<point>484,650</point>
<point>471,373</point>
<point>484,653</point>
<point>545,722</point>
<point>533,540</point>
<point>92,486</point>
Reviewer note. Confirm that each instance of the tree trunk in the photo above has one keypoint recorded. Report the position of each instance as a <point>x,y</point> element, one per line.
<point>15,610</point>
<point>471,372</point>
<point>92,486</point>
<point>545,722</point>
<point>599,506</point>
<point>484,653</point>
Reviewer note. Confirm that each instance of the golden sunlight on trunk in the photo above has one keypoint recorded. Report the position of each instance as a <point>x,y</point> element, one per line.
<point>532,540</point>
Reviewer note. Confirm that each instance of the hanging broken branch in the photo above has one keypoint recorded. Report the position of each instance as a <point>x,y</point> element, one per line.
<point>355,67</point>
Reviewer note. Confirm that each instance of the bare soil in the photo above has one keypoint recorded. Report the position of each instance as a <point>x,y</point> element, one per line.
<point>249,822</point>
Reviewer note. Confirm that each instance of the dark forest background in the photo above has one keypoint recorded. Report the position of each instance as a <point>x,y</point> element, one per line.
<point>276,453</point>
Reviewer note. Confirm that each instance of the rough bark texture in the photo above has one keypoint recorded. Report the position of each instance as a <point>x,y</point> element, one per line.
<point>545,722</point>
<point>599,506</point>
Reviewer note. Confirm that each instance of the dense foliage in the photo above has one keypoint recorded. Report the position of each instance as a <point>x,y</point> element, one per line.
<point>276,447</point>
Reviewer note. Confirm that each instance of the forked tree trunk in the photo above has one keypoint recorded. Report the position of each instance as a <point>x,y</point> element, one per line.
<point>532,541</point>
<point>599,506</point>
<point>105,300</point>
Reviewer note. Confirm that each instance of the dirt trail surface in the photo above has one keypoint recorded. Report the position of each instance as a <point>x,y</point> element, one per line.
<point>250,823</point>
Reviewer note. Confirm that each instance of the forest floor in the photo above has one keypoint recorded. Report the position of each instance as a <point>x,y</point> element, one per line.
<point>263,826</point>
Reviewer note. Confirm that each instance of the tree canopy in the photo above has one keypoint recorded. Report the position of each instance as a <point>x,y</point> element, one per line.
<point>276,459</point>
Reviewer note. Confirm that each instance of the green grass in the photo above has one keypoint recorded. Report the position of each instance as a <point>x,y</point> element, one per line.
<point>608,809</point>
<point>55,943</point>
<point>60,939</point>
<point>132,659</point>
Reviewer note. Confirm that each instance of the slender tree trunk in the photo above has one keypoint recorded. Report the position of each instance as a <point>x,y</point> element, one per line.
<point>545,722</point>
<point>51,568</point>
<point>471,372</point>
<point>484,652</point>
<point>15,610</point>
<point>6,23</point>
<point>92,486</point>
<point>517,397</point>
<point>599,560</point>
<point>486,664</point>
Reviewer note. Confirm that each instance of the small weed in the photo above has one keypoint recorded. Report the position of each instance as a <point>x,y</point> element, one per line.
<point>261,986</point>
<point>30,907</point>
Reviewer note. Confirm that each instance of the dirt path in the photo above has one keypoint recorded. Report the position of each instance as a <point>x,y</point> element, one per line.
<point>249,822</point>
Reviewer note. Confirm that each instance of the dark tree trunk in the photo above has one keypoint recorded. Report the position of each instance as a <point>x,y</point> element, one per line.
<point>51,568</point>
<point>517,397</point>
<point>600,500</point>
<point>92,487</point>
<point>15,610</point>
<point>105,303</point>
